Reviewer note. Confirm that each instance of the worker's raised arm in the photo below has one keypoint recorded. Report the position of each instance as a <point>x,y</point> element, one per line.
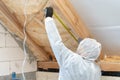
<point>60,51</point>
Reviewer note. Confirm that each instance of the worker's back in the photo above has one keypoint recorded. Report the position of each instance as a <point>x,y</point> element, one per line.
<point>76,68</point>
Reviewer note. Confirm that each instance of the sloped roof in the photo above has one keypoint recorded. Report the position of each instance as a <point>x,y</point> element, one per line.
<point>13,16</point>
<point>70,25</point>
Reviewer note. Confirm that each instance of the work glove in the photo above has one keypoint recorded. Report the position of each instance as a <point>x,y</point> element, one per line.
<point>48,12</point>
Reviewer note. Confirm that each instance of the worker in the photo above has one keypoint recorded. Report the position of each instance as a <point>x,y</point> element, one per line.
<point>79,65</point>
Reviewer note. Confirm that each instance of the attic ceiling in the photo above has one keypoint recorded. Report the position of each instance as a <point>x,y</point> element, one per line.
<point>12,16</point>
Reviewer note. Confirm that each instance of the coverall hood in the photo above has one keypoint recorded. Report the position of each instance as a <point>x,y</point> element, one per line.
<point>89,49</point>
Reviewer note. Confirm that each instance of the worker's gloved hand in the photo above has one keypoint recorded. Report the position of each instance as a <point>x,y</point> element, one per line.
<point>48,12</point>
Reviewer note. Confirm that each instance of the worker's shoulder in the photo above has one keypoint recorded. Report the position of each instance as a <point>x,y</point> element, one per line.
<point>77,58</point>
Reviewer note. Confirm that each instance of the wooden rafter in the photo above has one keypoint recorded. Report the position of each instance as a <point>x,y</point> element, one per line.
<point>69,14</point>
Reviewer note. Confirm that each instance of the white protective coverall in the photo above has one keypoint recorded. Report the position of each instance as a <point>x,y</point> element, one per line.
<point>74,66</point>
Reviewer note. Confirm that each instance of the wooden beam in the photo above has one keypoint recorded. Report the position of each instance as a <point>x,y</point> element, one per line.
<point>48,65</point>
<point>110,63</point>
<point>69,14</point>
<point>109,66</point>
<point>37,51</point>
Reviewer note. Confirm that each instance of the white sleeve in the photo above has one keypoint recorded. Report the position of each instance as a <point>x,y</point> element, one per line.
<point>60,51</point>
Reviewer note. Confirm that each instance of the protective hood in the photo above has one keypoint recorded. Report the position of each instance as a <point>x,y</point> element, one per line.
<point>89,49</point>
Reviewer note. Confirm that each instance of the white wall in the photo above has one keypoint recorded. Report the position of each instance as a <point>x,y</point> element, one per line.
<point>54,76</point>
<point>46,76</point>
<point>102,17</point>
<point>11,55</point>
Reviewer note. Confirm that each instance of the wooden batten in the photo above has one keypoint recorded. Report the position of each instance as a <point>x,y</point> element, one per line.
<point>48,65</point>
<point>110,66</point>
<point>110,63</point>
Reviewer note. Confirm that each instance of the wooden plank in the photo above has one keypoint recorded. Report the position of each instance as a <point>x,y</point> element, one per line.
<point>110,63</point>
<point>38,52</point>
<point>110,66</point>
<point>48,65</point>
